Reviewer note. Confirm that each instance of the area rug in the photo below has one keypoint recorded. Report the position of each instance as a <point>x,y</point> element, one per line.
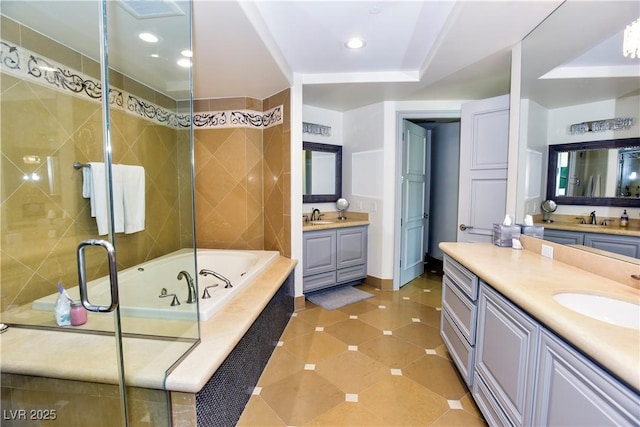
<point>338,297</point>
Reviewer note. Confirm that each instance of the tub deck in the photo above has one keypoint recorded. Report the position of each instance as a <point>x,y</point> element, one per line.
<point>91,357</point>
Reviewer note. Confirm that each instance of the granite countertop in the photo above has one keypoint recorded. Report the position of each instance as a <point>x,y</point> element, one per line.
<point>592,228</point>
<point>92,357</point>
<point>530,281</point>
<point>332,223</point>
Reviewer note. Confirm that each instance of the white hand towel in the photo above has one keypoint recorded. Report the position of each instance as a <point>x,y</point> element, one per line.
<point>134,198</point>
<point>596,186</point>
<point>117,177</point>
<point>94,187</point>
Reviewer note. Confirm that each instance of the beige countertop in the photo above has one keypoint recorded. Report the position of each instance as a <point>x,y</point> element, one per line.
<point>91,357</point>
<point>530,281</point>
<point>592,228</point>
<point>332,223</point>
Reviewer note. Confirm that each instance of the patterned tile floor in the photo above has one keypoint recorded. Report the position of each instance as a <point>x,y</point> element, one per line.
<point>379,362</point>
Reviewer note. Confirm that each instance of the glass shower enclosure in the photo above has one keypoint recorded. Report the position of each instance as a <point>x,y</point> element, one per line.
<point>97,199</point>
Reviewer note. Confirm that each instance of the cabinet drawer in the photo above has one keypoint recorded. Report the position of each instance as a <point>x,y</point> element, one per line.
<point>351,273</point>
<point>487,404</point>
<point>318,281</point>
<point>461,352</point>
<point>462,311</point>
<point>466,280</point>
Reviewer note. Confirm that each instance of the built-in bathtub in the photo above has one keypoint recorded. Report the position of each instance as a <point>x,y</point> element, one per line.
<point>140,286</point>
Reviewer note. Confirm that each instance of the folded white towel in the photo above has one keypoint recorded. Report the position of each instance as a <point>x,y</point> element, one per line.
<point>118,197</point>
<point>133,198</point>
<point>94,187</point>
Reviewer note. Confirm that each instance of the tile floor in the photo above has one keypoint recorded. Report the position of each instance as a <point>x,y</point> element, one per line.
<point>379,362</point>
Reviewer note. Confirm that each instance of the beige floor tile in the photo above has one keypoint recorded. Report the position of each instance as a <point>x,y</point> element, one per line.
<point>281,364</point>
<point>348,415</point>
<point>359,307</point>
<point>301,397</point>
<point>318,316</point>
<point>353,331</point>
<point>420,334</point>
<point>295,328</point>
<point>258,414</point>
<point>386,319</point>
<point>400,401</point>
<point>457,418</point>
<point>391,351</point>
<point>438,375</point>
<point>315,347</point>
<point>352,371</point>
<point>469,405</point>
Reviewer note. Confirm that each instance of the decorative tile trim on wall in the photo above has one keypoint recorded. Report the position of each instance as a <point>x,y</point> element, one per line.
<point>24,64</point>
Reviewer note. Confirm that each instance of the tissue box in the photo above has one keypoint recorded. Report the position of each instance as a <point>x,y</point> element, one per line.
<point>533,230</point>
<point>502,234</point>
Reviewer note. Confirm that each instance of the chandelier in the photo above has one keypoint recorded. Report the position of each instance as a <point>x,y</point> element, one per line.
<point>631,43</point>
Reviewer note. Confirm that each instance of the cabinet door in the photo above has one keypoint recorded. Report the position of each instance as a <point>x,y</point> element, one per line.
<point>506,354</point>
<point>319,254</point>
<point>623,245</point>
<point>572,391</point>
<point>564,237</point>
<point>352,246</point>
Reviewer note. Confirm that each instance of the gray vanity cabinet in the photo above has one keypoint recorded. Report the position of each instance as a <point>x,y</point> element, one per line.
<point>333,257</point>
<point>458,315</point>
<point>506,351</point>
<point>572,391</point>
<point>622,245</point>
<point>564,237</point>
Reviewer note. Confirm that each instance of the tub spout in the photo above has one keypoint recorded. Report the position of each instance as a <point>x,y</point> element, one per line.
<point>205,272</point>
<point>192,289</point>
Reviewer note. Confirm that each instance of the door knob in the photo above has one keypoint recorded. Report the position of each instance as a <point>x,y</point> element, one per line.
<point>465,227</point>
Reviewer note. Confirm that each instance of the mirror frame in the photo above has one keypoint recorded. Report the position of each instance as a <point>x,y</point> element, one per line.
<point>327,148</point>
<point>592,145</point>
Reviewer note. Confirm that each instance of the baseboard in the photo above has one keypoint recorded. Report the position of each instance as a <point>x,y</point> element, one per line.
<point>382,284</point>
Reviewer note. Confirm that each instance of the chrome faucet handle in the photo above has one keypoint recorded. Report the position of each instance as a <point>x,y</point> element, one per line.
<point>582,221</point>
<point>174,301</point>
<point>205,294</point>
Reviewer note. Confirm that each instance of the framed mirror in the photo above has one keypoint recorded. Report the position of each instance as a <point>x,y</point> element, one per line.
<point>596,173</point>
<point>321,172</point>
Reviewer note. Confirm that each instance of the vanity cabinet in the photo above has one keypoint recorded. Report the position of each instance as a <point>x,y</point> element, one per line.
<point>522,373</point>
<point>506,353</point>
<point>573,391</point>
<point>622,245</point>
<point>333,257</point>
<point>458,315</point>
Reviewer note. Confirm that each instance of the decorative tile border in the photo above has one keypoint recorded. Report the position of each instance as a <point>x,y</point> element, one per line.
<point>24,64</point>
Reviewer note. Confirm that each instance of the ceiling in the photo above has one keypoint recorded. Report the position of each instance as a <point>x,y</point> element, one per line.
<point>416,50</point>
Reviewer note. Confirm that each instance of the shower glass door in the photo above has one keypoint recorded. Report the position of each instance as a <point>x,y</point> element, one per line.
<point>102,172</point>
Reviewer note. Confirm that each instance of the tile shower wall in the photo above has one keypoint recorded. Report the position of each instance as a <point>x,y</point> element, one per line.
<point>43,221</point>
<point>243,178</point>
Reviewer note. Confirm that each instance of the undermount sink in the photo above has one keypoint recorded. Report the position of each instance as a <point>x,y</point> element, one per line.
<point>610,310</point>
<point>321,222</point>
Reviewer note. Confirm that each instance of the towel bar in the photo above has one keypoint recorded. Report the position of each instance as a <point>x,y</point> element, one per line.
<point>78,165</point>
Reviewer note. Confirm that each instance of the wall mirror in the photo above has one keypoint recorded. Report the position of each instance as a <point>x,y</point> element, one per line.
<point>321,172</point>
<point>595,173</point>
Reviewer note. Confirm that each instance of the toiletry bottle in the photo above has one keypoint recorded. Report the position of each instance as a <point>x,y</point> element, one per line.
<point>78,314</point>
<point>624,219</point>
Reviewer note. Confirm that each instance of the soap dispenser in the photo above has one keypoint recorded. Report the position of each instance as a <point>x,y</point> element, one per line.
<point>624,219</point>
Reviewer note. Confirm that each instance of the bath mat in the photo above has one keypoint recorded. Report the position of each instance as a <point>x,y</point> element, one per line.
<point>338,297</point>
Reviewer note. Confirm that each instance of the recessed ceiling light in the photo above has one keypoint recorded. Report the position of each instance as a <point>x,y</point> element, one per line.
<point>184,62</point>
<point>155,55</point>
<point>186,53</point>
<point>148,37</point>
<point>355,43</point>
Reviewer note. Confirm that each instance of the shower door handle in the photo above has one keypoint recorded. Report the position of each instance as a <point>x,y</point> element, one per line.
<point>113,276</point>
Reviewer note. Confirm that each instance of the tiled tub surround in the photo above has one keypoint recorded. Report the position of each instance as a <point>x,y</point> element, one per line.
<point>530,281</point>
<point>249,205</point>
<point>87,358</point>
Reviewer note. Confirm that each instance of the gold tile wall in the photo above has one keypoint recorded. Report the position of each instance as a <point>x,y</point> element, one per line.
<point>77,403</point>
<point>242,180</point>
<point>43,221</point>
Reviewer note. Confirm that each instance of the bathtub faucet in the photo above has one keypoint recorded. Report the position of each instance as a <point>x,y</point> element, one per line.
<point>192,289</point>
<point>205,272</point>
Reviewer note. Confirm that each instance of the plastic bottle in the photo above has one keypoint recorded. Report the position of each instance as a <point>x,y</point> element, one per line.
<point>624,219</point>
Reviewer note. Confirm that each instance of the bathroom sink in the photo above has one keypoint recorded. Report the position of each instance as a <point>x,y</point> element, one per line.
<point>590,225</point>
<point>321,222</point>
<point>610,310</point>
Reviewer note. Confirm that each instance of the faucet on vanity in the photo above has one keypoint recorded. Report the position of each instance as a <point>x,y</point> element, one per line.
<point>315,214</point>
<point>205,272</point>
<point>592,219</point>
<point>192,289</point>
